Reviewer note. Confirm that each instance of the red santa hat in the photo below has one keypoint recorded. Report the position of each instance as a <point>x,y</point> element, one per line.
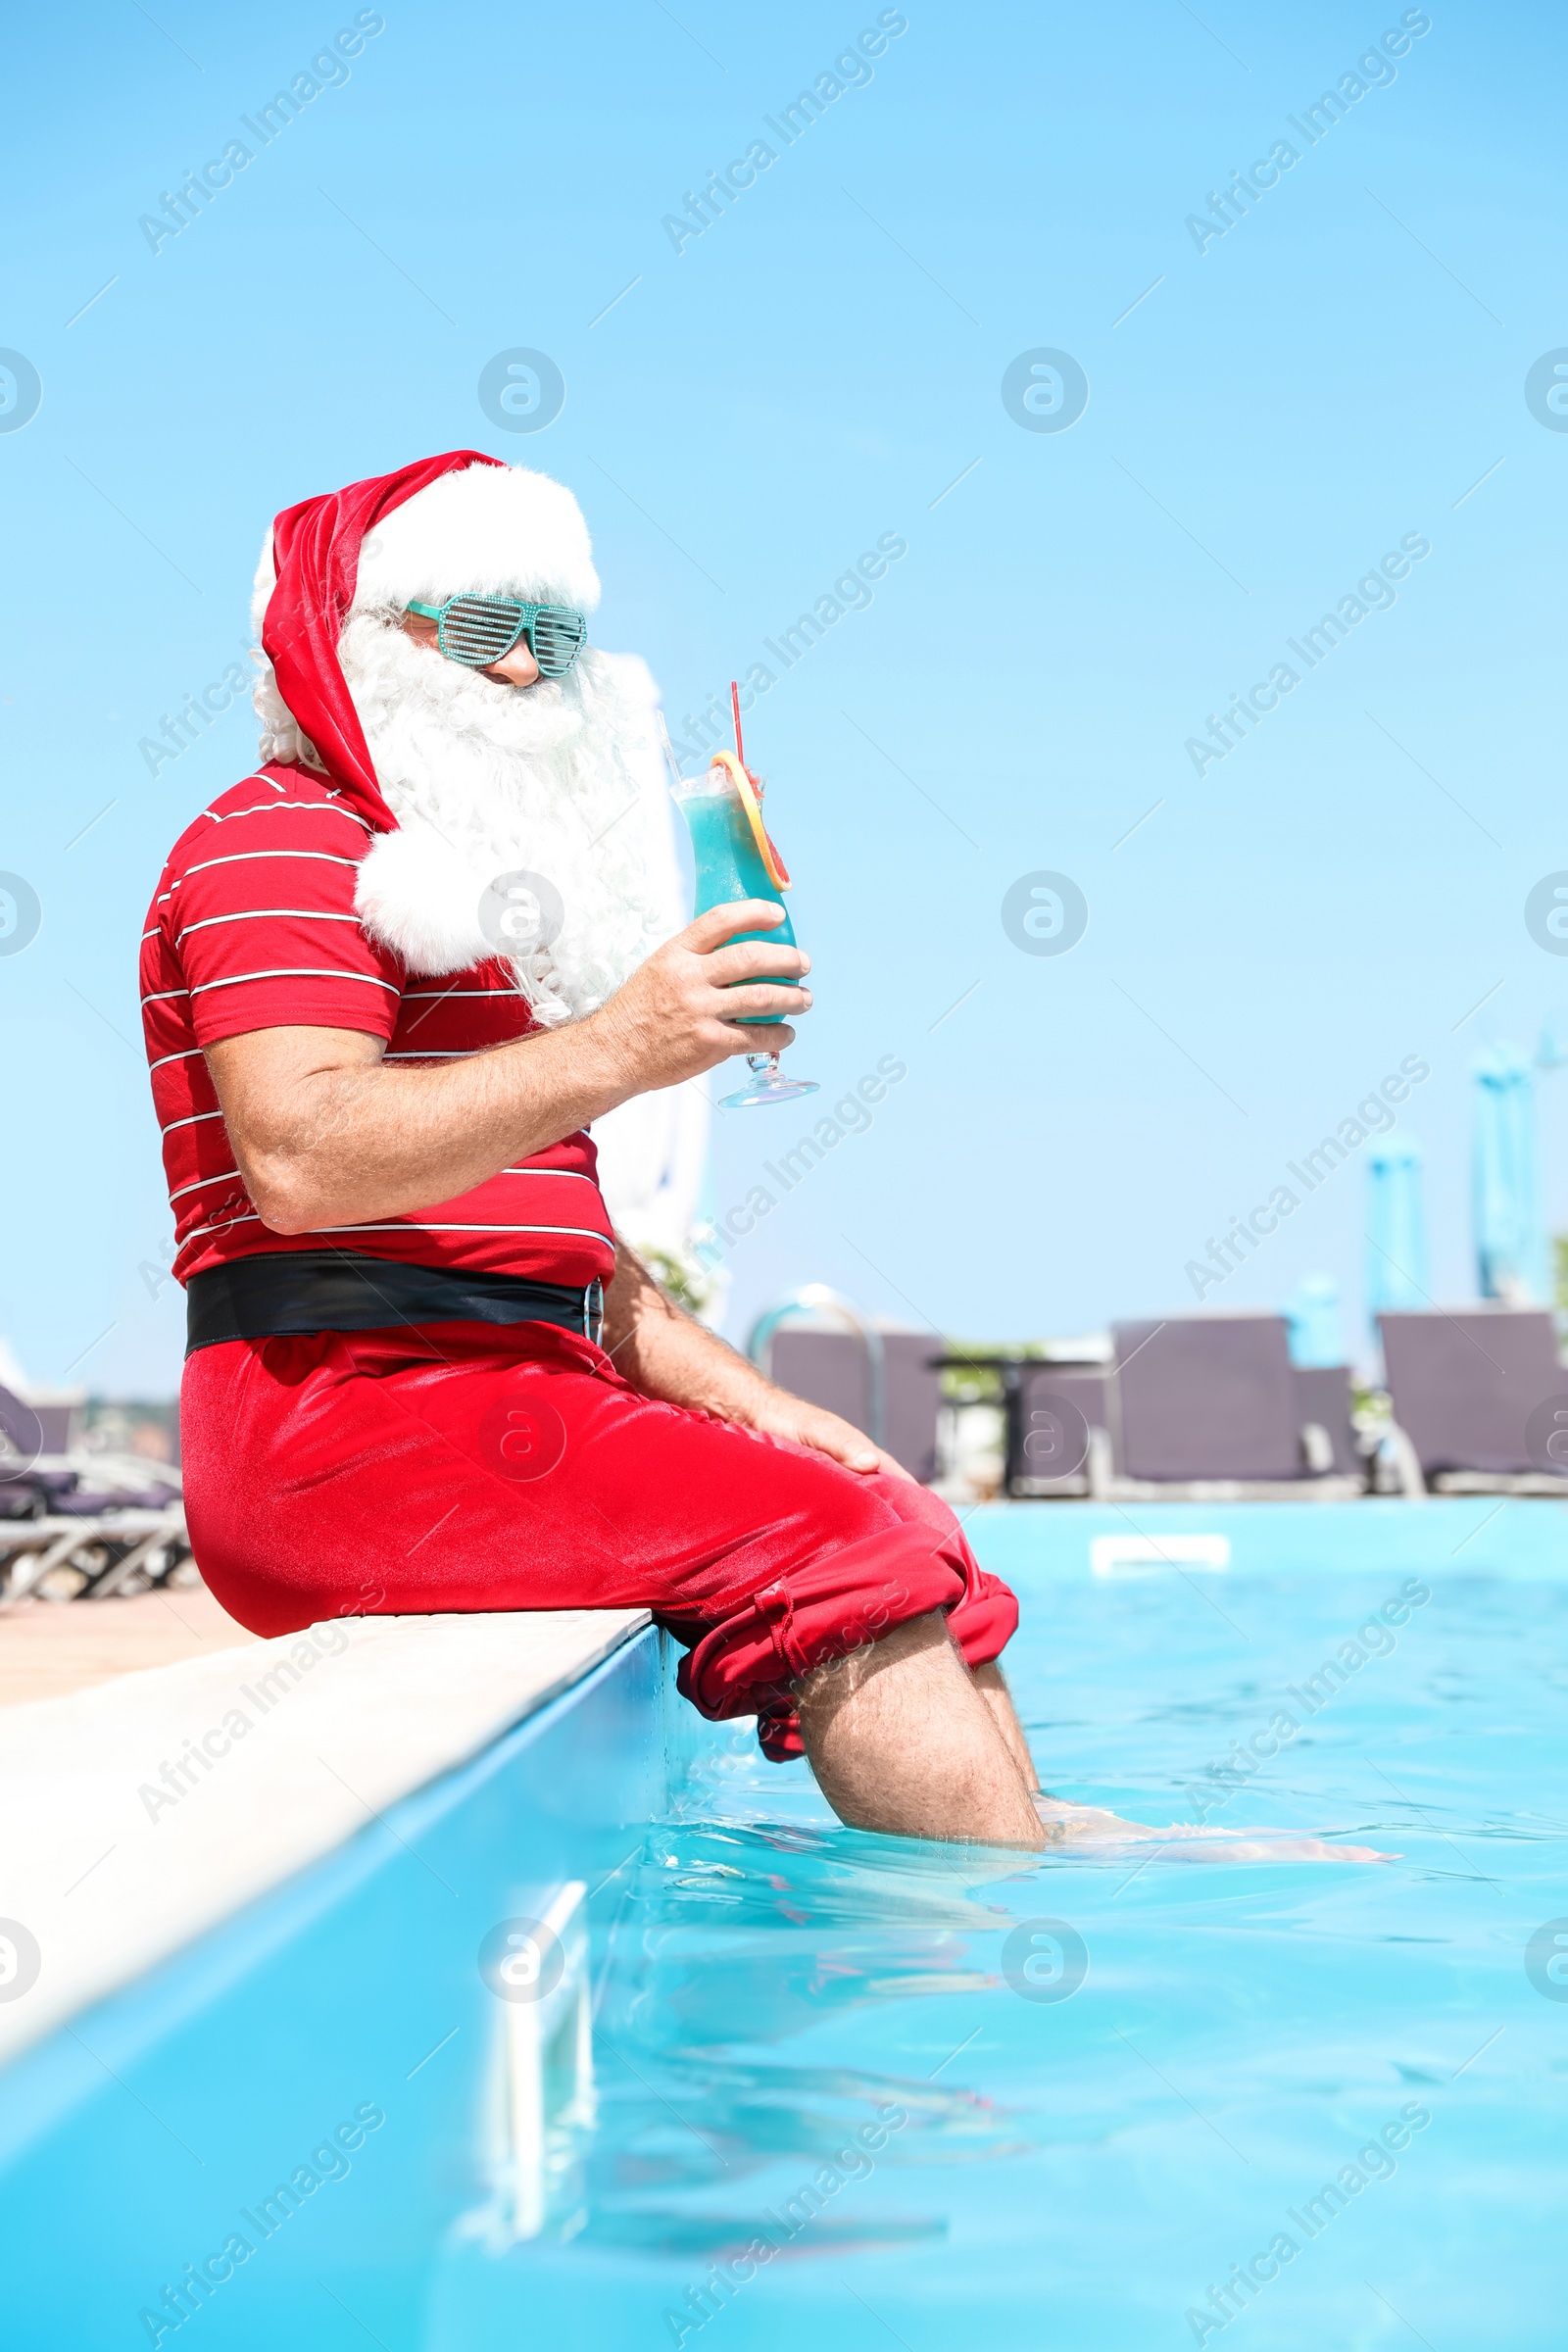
<point>462,522</point>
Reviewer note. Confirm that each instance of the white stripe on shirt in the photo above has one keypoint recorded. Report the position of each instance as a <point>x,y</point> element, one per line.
<point>223,1177</point>
<point>582,1233</point>
<point>252,914</point>
<point>223,1225</point>
<point>224,816</point>
<point>292,972</point>
<point>245,857</point>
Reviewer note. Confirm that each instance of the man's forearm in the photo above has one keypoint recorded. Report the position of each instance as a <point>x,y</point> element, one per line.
<point>666,1353</point>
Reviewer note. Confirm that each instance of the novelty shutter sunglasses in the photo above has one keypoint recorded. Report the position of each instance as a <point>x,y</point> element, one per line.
<point>481,630</point>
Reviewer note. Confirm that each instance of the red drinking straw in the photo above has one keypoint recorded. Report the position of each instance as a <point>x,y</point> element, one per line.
<point>735,706</point>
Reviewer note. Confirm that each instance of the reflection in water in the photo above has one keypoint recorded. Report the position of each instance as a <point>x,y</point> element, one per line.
<point>542,2107</point>
<point>733,1941</point>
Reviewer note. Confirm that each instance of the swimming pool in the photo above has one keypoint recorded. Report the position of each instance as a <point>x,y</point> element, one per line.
<point>850,2091</point>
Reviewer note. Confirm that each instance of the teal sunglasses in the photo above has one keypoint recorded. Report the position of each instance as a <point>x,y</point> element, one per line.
<point>481,630</point>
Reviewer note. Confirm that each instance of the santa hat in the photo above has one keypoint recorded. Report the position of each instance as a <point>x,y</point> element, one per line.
<point>460,524</point>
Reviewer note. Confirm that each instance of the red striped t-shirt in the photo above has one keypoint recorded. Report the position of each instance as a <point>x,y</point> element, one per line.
<point>253,927</point>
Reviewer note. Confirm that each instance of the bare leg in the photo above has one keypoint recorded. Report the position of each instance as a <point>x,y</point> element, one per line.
<point>992,1687</point>
<point>903,1741</point>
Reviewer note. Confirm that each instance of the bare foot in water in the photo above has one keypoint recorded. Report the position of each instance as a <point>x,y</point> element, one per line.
<point>1185,1842</point>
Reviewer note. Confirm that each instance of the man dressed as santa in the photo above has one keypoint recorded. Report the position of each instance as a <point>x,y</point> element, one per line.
<point>389,982</point>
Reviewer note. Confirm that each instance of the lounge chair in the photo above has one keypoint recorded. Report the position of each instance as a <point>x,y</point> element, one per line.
<point>1480,1396</point>
<point>1211,1406</point>
<point>123,1550</point>
<point>1063,1428</point>
<point>82,1526</point>
<point>1203,1406</point>
<point>885,1381</point>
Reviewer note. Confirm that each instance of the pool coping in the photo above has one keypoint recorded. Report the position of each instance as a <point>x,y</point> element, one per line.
<point>147,1810</point>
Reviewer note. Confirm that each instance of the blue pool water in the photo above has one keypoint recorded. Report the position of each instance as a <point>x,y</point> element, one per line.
<point>879,2062</point>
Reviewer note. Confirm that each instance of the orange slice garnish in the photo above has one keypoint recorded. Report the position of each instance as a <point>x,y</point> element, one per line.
<point>777,871</point>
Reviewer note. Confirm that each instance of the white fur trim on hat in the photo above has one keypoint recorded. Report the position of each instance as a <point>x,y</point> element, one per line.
<point>490,530</point>
<point>262,586</point>
<point>280,738</point>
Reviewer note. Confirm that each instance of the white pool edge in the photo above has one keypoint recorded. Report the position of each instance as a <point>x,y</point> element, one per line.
<point>144,1811</point>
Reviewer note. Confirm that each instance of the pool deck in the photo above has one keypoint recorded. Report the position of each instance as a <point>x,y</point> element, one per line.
<point>148,1807</point>
<point>50,1648</point>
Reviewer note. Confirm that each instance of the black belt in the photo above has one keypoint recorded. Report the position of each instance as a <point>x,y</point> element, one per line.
<point>305,1291</point>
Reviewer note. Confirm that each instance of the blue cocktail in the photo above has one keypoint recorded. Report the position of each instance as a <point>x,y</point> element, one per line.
<point>735,860</point>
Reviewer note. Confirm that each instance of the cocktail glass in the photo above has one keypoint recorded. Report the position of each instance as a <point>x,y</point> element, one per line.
<point>735,860</point>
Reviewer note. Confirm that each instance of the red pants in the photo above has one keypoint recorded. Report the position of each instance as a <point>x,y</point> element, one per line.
<point>463,1466</point>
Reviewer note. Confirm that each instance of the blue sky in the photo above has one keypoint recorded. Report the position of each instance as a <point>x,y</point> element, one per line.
<point>1266,419</point>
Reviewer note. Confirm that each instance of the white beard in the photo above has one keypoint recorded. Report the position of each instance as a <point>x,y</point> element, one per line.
<point>561,779</point>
